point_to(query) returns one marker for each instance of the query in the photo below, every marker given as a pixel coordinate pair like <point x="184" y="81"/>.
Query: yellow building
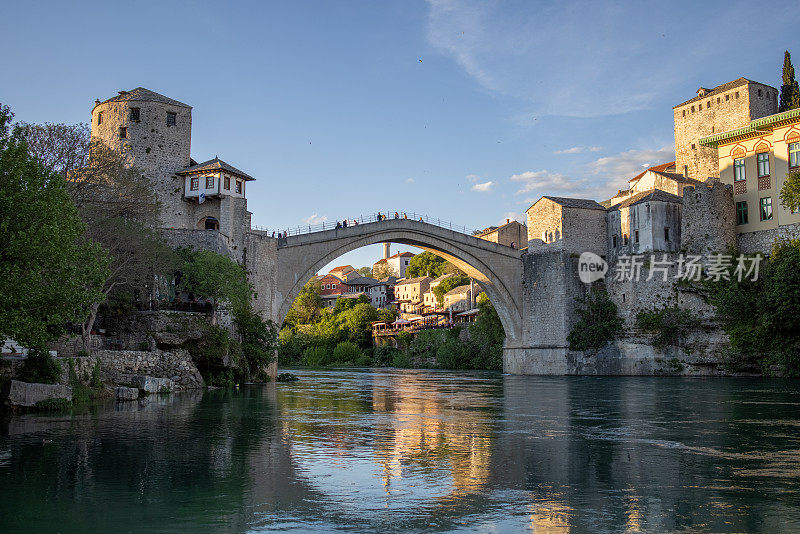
<point x="755" y="159"/>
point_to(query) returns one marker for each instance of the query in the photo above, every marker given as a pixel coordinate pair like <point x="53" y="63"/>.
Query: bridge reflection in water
<point x="409" y="450"/>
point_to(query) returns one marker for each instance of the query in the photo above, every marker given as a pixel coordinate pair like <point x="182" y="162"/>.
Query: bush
<point x="40" y="368"/>
<point x="286" y="377"/>
<point x="669" y="325"/>
<point x="364" y="361"/>
<point x="81" y="393"/>
<point x="384" y="355"/>
<point x="258" y="343"/>
<point x="346" y="351"/>
<point x="598" y="322"/>
<point x="52" y="405"/>
<point x="401" y="360"/>
<point x="316" y="356"/>
<point x="95" y="382"/>
<point x="450" y="355"/>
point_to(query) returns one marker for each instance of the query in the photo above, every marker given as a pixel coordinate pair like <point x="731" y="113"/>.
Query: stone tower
<point x="154" y="133"/>
<point x="726" y="107"/>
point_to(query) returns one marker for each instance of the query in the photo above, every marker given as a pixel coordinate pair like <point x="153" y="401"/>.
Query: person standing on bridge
<point x="405" y="215"/>
<point x="396" y="215"/>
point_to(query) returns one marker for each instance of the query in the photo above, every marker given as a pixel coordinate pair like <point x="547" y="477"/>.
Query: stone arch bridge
<point x="280" y="267"/>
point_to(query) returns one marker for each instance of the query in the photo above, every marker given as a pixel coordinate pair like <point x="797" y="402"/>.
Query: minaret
<point x="387" y="250"/>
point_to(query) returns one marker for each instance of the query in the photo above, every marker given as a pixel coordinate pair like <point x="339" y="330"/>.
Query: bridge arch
<point x="497" y="268"/>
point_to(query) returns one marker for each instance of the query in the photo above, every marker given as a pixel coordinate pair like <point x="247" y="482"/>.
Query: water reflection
<point x="408" y="450"/>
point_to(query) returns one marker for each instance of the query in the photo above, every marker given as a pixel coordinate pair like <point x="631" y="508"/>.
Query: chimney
<point x="508" y="221"/>
<point x="386" y="250"/>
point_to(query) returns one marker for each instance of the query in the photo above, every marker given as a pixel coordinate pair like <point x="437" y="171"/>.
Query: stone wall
<point x="118" y="367"/>
<point x="708" y="224"/>
<point x="197" y="240"/>
<point x="762" y="240"/>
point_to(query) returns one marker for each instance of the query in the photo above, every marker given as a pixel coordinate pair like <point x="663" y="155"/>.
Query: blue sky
<point x="467" y="111"/>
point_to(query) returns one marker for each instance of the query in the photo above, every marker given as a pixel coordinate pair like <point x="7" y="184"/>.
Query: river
<point x="406" y="450"/>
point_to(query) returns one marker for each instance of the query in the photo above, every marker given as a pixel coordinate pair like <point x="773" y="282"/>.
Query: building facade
<point x="511" y="234"/>
<point x="755" y="161"/>
<point x="725" y="107"/>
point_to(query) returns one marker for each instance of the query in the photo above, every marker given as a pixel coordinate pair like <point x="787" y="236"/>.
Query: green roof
<point x="756" y="125"/>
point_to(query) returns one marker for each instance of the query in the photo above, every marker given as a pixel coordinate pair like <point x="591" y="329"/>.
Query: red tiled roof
<point x="658" y="168"/>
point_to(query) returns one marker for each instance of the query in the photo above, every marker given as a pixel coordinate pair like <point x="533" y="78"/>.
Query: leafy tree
<point x="383" y="269"/>
<point x="50" y="274"/>
<point x="357" y="322"/>
<point x="598" y="322"/>
<point x="760" y="317"/>
<point x="347" y="352"/>
<point x="487" y="336"/>
<point x="366" y="272"/>
<point x="790" y="192"/>
<point x="259" y="341"/>
<point x="447" y="284"/>
<point x="425" y="264"/>
<point x="790" y="91"/>
<point x="218" y="278"/>
<point x="307" y="307"/>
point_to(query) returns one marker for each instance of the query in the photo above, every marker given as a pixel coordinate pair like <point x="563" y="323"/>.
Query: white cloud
<point x="546" y="182"/>
<point x="316" y="219"/>
<point x="484" y="187"/>
<point x="409" y="180"/>
<point x="579" y="149"/>
<point x="631" y="162"/>
<point x="473" y="177"/>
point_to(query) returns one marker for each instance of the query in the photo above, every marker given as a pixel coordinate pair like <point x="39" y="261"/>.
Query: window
<point x="227" y="183"/>
<point x="794" y="154"/>
<point x="171" y="118"/>
<point x="209" y="182"/>
<point x="766" y="209"/>
<point x="727" y="97"/>
<point x="693" y="146"/>
<point x="741" y="212"/>
<point x="738" y="170"/>
<point x="614" y="241"/>
<point x="328" y="286"/>
<point x="194" y="185"/>
<point x="239" y="186"/>
<point x="763" y="164"/>
<point x="759" y="92"/>
<point x="100" y="117"/>
<point x="692" y="109"/>
<point x="684" y="112"/>
<point x="708" y="104"/>
<point x="736" y="95"/>
<point x="624" y="239"/>
<point x="123" y="132"/>
<point x="686" y="170"/>
<point x="636" y="237"/>
<point x="333" y="286"/>
<point x="134" y="114"/>
<point x="718" y="100"/>
<point x="666" y="234"/>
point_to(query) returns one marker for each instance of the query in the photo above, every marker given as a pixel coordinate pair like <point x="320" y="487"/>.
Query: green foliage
<point x="448" y="284"/>
<point x="366" y="272"/>
<point x="95" y="381"/>
<point x="40" y="368"/>
<point x="790" y="91"/>
<point x="384" y="355"/>
<point x="347" y="352"/>
<point x="81" y="393"/>
<point x="790" y="192"/>
<point x="669" y="325"/>
<point x="307" y="307"/>
<point x="425" y="264"/>
<point x="213" y="353"/>
<point x="216" y="277"/>
<point x="401" y="360"/>
<point x="598" y="322"/>
<point x="50" y="275"/>
<point x="52" y="405"/>
<point x="258" y="342"/>
<point x="485" y="347"/>
<point x="760" y="317"/>
<point x="316" y="356"/>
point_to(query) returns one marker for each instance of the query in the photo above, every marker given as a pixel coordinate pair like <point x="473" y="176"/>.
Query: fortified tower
<point x="726" y="107"/>
<point x="154" y="133"/>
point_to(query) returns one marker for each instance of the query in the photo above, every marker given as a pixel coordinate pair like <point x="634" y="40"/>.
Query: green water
<point x="389" y="451"/>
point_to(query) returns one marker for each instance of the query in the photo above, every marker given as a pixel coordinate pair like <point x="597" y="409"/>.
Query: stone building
<point x="397" y="263"/>
<point x="459" y="298"/>
<point x="755" y="160"/>
<point x="662" y="177"/>
<point x="154" y="134"/>
<point x="725" y="107"/>
<point x="645" y="222"/>
<point x="578" y="225"/>
<point x="511" y="234"/>
<point x="409" y="293"/>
